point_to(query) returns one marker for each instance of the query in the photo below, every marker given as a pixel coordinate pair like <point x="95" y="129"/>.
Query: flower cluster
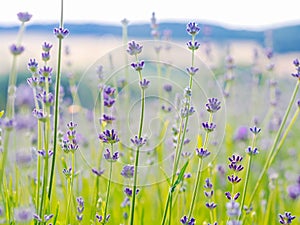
<point x="109" y="136"/>
<point x="297" y="65"/>
<point x="286" y="218"/>
<point x="69" y="142"/>
<point x="209" y="192"/>
<point x="80" y="208"/>
<point x="111" y="157"/>
<point x="108" y="96"/>
<point x="185" y="220"/>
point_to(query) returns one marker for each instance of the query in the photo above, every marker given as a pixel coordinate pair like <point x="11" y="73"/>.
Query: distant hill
<point x="285" y="39"/>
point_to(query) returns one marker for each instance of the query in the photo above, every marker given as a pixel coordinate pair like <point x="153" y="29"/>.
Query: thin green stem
<point x="56" y="107"/>
<point x="136" y="163"/>
<point x="70" y="188"/>
<point x="274" y="146"/>
<point x="108" y="187"/>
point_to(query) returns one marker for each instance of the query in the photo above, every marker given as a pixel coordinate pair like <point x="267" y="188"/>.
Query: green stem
<point x="56" y="107"/>
<point x="198" y="178"/>
<point x="70" y="188"/>
<point x="108" y="188"/>
<point x="179" y="147"/>
<point x="273" y="148"/>
<point x="137" y="153"/>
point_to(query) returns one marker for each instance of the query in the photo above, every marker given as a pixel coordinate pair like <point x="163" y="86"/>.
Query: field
<point x="116" y="131"/>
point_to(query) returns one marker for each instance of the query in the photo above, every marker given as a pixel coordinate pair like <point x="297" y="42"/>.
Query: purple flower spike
<point x="128" y="191"/>
<point x="138" y="142"/>
<point x="97" y="172"/>
<point x="202" y="153"/>
<point x="45" y="71"/>
<point x="235" y="158"/>
<point x="16" y="50"/>
<point x="107" y="118"/>
<point x="213" y="105"/>
<point x="61" y="33"/>
<point x="24" y="16"/>
<point x="255" y="130"/>
<point x="134" y="48"/>
<point x="192" y="28"/>
<point x="46" y="47"/>
<point x="111" y="157"/>
<point x="286" y="218"/>
<point x="234" y="179"/>
<point x="210" y="205"/>
<point x="235" y="167"/>
<point x="144" y="83"/>
<point x="185" y="220"/>
<point x="251" y="151"/>
<point x="109" y="136"/>
<point x="209" y="127"/>
<point x="138" y="66"/>
<point x="32" y="65"/>
<point x="192" y="70"/>
<point x="127" y="171"/>
<point x="193" y="45"/>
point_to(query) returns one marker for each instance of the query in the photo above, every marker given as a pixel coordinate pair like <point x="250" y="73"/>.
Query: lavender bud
<point x="134" y="48"/>
<point x="213" y="105"/>
<point x="127" y="171"/>
<point x="24" y="16"/>
<point x="192" y="28"/>
<point x="16" y="50"/>
<point x="61" y="33"/>
<point x="209" y="127"/>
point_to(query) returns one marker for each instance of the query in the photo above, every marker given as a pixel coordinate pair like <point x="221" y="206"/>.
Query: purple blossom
<point x="32" y="65"/>
<point x="134" y="48"/>
<point x="235" y="197"/>
<point x="60" y="32"/>
<point x="109" y="136"/>
<point x="192" y="70"/>
<point x="235" y="167"/>
<point x="24" y="16"/>
<point x="209" y="127"/>
<point x="234" y="179"/>
<point x="241" y="134"/>
<point x="255" y="130"/>
<point x="108" y="91"/>
<point x="213" y="105"/>
<point x="138" y="142"/>
<point x="192" y="28"/>
<point x="235" y="158"/>
<point x="208" y="184"/>
<point x="210" y="205"/>
<point x="297" y="65"/>
<point x="111" y="157"/>
<point x="193" y="45"/>
<point x="97" y="172"/>
<point x="127" y="171"/>
<point x="251" y="151"/>
<point x="46" y="47"/>
<point x="167" y="87"/>
<point x="108" y="101"/>
<point x="294" y="191"/>
<point x="107" y="118"/>
<point x="45" y="56"/>
<point x="144" y="83"/>
<point x="128" y="191"/>
<point x="138" y="66"/>
<point x="23" y="214"/>
<point x="185" y="220"/>
<point x="202" y="153"/>
<point x="16" y="50"/>
<point x="45" y="71"/>
<point x="233" y="208"/>
<point x="286" y="218"/>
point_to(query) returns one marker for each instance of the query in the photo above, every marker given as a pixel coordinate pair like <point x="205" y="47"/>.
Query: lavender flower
<point x="45" y="71"/>
<point x="235" y="197"/>
<point x="128" y="191"/>
<point x="167" y="87"/>
<point x="234" y="179"/>
<point x="32" y="65"/>
<point x="16" y="50"/>
<point x="210" y="205"/>
<point x="138" y="142"/>
<point x="24" y="16"/>
<point x="251" y="151"/>
<point x="45" y="56"/>
<point x="23" y="214"/>
<point x="109" y="136"/>
<point x="111" y="157"/>
<point x="97" y="172"/>
<point x="107" y="118"/>
<point x="286" y="218"/>
<point x="192" y="70"/>
<point x="108" y="91"/>
<point x="233" y="208"/>
<point x="255" y="130"/>
<point x="185" y="220"/>
<point x="202" y="153"/>
<point x="192" y="28"/>
<point x="138" y="66"/>
<point x="61" y="33"/>
<point x="134" y="48"/>
<point x="80" y="208"/>
<point x="127" y="171"/>
<point x="144" y="83"/>
<point x="213" y="105"/>
<point x="297" y="65"/>
<point x="46" y="47"/>
<point x="235" y="158"/>
<point x="193" y="45"/>
<point x="209" y="127"/>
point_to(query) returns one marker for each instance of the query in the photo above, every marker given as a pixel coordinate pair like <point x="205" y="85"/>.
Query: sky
<point x="240" y="14"/>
